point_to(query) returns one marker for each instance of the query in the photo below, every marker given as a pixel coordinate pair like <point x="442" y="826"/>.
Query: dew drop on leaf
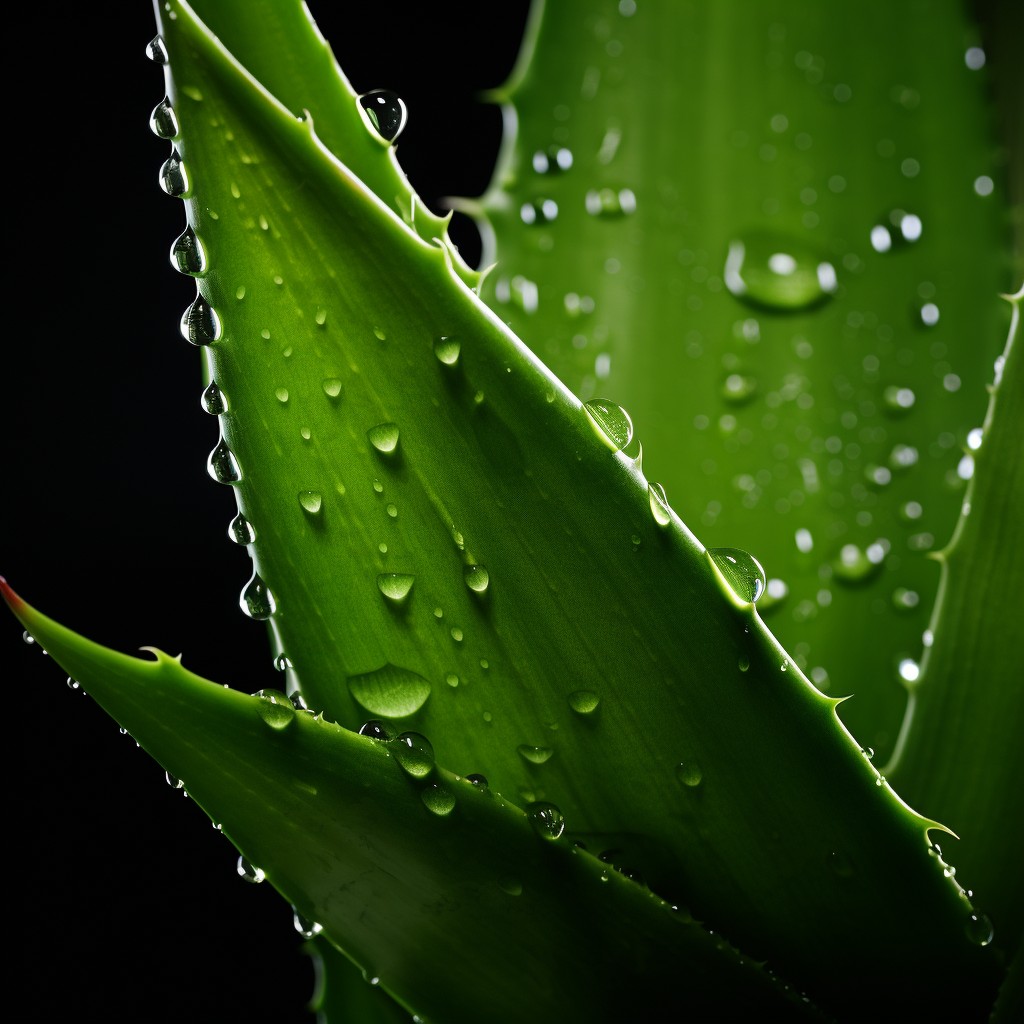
<point x="256" y="599"/>
<point x="386" y="112"/>
<point x="477" y="578"/>
<point x="774" y="272"/>
<point x="173" y="177"/>
<point x="535" y="755"/>
<point x="306" y="928"/>
<point x="390" y="691"/>
<point x="547" y="820"/>
<point x="187" y="253"/>
<point x="742" y="571"/>
<point x="241" y="531"/>
<point x="222" y="465"/>
<point x="163" y="122"/>
<point x="689" y="773"/>
<point x="384" y="437"/>
<point x="200" y="323"/>
<point x="438" y="799"/>
<point x="659" y="504"/>
<point x="156" y="51"/>
<point x="583" y="702"/>
<point x="395" y="586"/>
<point x="415" y="753"/>
<point x="611" y="422"/>
<point x="376" y="730"/>
<point x="213" y="400"/>
<point x="979" y="929"/>
<point x="275" y="708"/>
<point x="311" y="501"/>
<point x="250" y="872"/>
<point x="332" y="387"/>
<point x="447" y="350"/>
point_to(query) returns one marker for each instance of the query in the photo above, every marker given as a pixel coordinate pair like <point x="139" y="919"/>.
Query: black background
<point x="130" y="905"/>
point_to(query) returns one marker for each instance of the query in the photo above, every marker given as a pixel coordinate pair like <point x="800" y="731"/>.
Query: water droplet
<point x="241" y="531"/>
<point x="275" y="708"/>
<point x="659" y="504"/>
<point x="306" y="928"/>
<point x="156" y="51"/>
<point x="163" y="122"/>
<point x="73" y="684"/>
<point x="395" y="586"/>
<point x="311" y="501"/>
<point x="438" y="799"/>
<point x="390" y="691"/>
<point x="187" y="253"/>
<point x="477" y="578"/>
<point x="332" y="387"/>
<point x="222" y="465"/>
<point x="855" y="565"/>
<point x="256" y="599"/>
<point x="928" y="314"/>
<point x="376" y="730"/>
<point x="415" y="754"/>
<point x="173" y="782"/>
<point x="979" y="929"/>
<point x="200" y="323"/>
<point x="27" y="637"/>
<point x="447" y="350"/>
<point x="909" y="670"/>
<point x="610" y="202"/>
<point x="553" y="160"/>
<point x="384" y="437"/>
<point x="480" y="781"/>
<point x="547" y="820"/>
<point x="281" y="664"/>
<point x="386" y="112"/>
<point x="538" y="211"/>
<point x="896" y="229"/>
<point x="457" y="634"/>
<point x="779" y="273"/>
<point x="611" y="421"/>
<point x="173" y="177"/>
<point x="689" y="773"/>
<point x="535" y="755"/>
<point x="738" y="389"/>
<point x="898" y="399"/>
<point x="583" y="702"/>
<point x="213" y="400"/>
<point x="250" y="872"/>
<point x="904" y="599"/>
<point x="742" y="571"/>
<point x="281" y="394"/>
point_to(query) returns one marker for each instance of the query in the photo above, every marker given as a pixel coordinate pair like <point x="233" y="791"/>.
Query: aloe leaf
<point x="410" y="866"/>
<point x="660" y="157"/>
<point x="967" y="685"/>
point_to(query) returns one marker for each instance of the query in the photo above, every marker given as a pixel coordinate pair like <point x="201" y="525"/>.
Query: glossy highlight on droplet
<point x="213" y="400"/>
<point x="241" y="531"/>
<point x="222" y="465"/>
<point x="390" y="691"/>
<point x="386" y="112"/>
<point x="547" y="820"/>
<point x="275" y="708"/>
<point x="173" y="177"/>
<point x="741" y="571"/>
<point x="447" y="350"/>
<point x="311" y="502"/>
<point x="776" y="272"/>
<point x="660" y="508"/>
<point x="200" y="324"/>
<point x="187" y="254"/>
<point x="611" y="421"/>
<point x="415" y="753"/>
<point x="384" y="437"/>
<point x="477" y="578"/>
<point x="163" y="122"/>
<point x="395" y="586"/>
<point x="256" y="599"/>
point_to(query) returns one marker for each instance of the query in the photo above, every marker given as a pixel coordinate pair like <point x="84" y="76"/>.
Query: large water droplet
<point x="306" y="928"/>
<point x="173" y="177"/>
<point x="979" y="929"/>
<point x="689" y="773"/>
<point x="611" y="421"/>
<point x="275" y="708"/>
<point x="438" y="799"/>
<point x="250" y="872"/>
<point x="390" y="691"/>
<point x="163" y="122"/>
<point x="771" y="271"/>
<point x="384" y="437"/>
<point x="386" y="112"/>
<point x="415" y="754"/>
<point x="187" y="253"/>
<point x="447" y="350"/>
<point x="535" y="755"/>
<point x="395" y="586"/>
<point x="583" y="702"/>
<point x="256" y="599"/>
<point x="156" y="51"/>
<point x="241" y="531"/>
<point x="311" y="501"/>
<point x="213" y="400"/>
<point x="200" y="323"/>
<point x="222" y="465"/>
<point x="660" y="508"/>
<point x="547" y="820"/>
<point x="477" y="578"/>
<point x="332" y="387"/>
<point x="742" y="571"/>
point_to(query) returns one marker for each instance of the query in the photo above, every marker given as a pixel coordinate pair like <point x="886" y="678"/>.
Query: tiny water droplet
<point x="213" y="400"/>
<point x="241" y="531"/>
<point x="384" y="437"/>
<point x="27" y="637"/>
<point x="395" y="586"/>
<point x="222" y="465"/>
<point x="855" y="565"/>
<point x="477" y="578"/>
<point x="73" y="684"/>
<point x="311" y="501"/>
<point x="386" y="112"/>
<point x="457" y="634"/>
<point x="769" y="270"/>
<point x="535" y="755"/>
<point x="611" y="421"/>
<point x="610" y="202"/>
<point x="275" y="708"/>
<point x="438" y="799"/>
<point x="979" y="929"/>
<point x="390" y="691"/>
<point x="741" y="570"/>
<point x="584" y="702"/>
<point x="447" y="350"/>
<point x="173" y="177"/>
<point x="281" y="394"/>
<point x="415" y="754"/>
<point x="200" y="323"/>
<point x="689" y="773"/>
<point x="173" y="782"/>
<point x="256" y="599"/>
<point x="480" y="781"/>
<point x="376" y="730"/>
<point x="547" y="820"/>
<point x="660" y="508"/>
<point x="187" y="253"/>
<point x="332" y="387"/>
<point x="250" y="872"/>
<point x="281" y="664"/>
<point x="895" y="230"/>
<point x="738" y="389"/>
<point x="898" y="399"/>
<point x="156" y="51"/>
<point x="538" y="211"/>
<point x="163" y="122"/>
<point x="306" y="928"/>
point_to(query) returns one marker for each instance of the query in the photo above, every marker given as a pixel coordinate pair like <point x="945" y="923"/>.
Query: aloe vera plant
<point x="444" y="540"/>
